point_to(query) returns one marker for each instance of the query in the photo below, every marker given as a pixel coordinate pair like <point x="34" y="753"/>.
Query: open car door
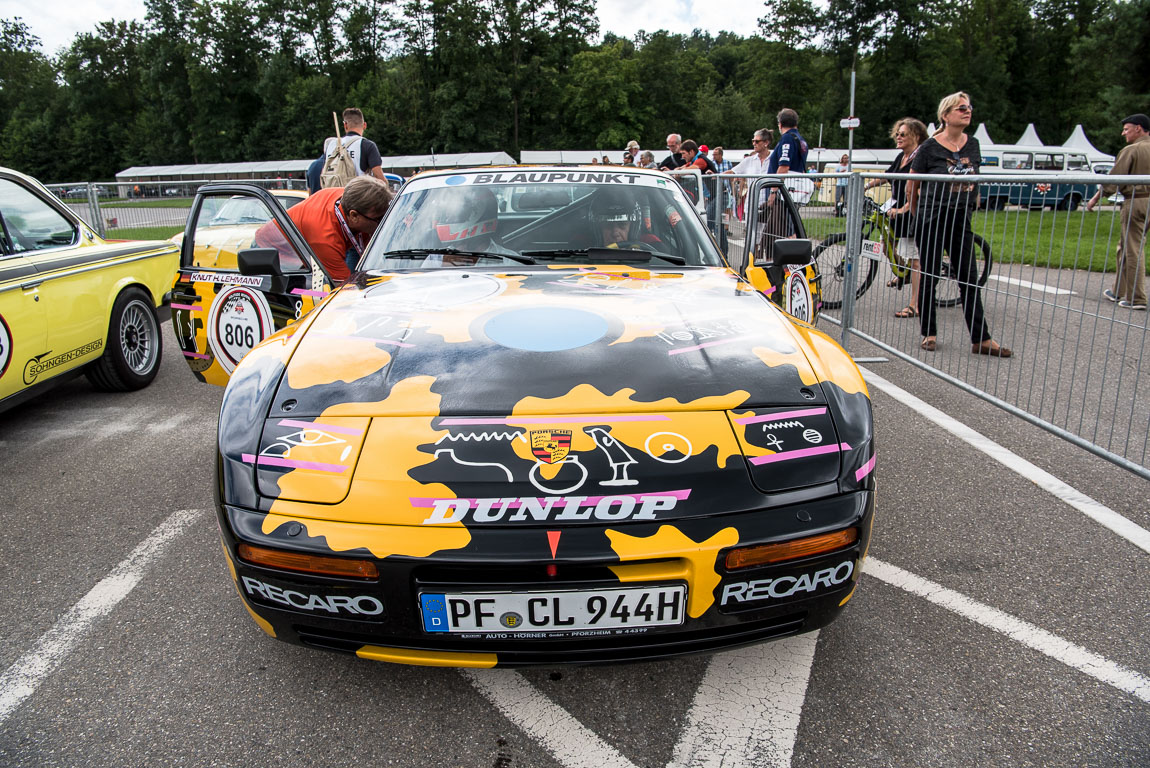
<point x="691" y="180"/>
<point x="245" y="273"/>
<point x="772" y="256"/>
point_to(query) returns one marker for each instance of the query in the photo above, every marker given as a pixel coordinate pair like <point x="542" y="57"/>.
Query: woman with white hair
<point x="942" y="211"/>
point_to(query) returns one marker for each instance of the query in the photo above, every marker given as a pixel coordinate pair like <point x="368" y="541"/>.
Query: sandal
<point x="907" y="311"/>
<point x="994" y="351"/>
<point x="929" y="344"/>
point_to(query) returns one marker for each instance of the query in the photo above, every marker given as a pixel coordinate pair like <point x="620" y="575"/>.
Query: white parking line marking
<point x="23" y="678"/>
<point x="1033" y="286"/>
<point x="1100" y="513"/>
<point x="747" y="709"/>
<point x="562" y="735"/>
<point x="1016" y="629"/>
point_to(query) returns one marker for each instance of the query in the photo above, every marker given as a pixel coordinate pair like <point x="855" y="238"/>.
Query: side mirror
<point x="794" y="252"/>
<point x="259" y="261"/>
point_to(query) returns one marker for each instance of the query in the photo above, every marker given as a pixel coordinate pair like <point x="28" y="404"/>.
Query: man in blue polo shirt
<point x="790" y="153"/>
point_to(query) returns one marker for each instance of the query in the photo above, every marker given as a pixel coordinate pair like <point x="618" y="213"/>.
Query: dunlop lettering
<point x="516" y="509"/>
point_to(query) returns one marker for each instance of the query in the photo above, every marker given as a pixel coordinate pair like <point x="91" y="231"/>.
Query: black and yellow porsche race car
<point x="544" y="422"/>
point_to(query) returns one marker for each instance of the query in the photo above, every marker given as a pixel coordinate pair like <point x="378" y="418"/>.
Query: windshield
<point x="540" y="217"/>
<point x="218" y="212"/>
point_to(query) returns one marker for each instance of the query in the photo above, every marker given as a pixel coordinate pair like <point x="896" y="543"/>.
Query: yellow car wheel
<point x="132" y="355"/>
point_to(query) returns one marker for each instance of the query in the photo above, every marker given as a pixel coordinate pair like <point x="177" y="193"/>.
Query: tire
<point x="132" y="354"/>
<point x="1068" y="203"/>
<point x="946" y="293"/>
<point x="831" y="259"/>
<point x="996" y="203"/>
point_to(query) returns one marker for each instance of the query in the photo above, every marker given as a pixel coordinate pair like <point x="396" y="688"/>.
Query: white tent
<point x="462" y="160"/>
<point x="1079" y="142"/>
<point x="297" y="168"/>
<point x="826" y="160"/>
<point x="983" y="135"/>
<point x="1030" y="136"/>
<point x="930" y="129"/>
<point x="574" y="156"/>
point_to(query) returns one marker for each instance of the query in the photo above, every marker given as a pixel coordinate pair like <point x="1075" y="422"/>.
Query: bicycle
<point x="831" y="257"/>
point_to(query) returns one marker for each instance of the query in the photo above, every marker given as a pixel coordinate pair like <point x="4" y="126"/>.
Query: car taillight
<point x="305" y="563"/>
<point x="766" y="554"/>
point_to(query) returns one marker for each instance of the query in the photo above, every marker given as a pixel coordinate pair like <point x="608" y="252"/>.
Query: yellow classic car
<point x="71" y="302"/>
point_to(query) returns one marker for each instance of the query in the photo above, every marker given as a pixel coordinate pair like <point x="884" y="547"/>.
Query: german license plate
<point x="551" y="612"/>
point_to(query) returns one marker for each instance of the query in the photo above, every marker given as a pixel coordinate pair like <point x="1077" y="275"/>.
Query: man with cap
<point x="1134" y="160"/>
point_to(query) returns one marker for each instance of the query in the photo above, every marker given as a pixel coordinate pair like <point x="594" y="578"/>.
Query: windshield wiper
<point x="611" y="254"/>
<point x="524" y="259"/>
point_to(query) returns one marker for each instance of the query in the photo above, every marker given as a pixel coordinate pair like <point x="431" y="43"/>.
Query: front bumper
<point x="380" y="618"/>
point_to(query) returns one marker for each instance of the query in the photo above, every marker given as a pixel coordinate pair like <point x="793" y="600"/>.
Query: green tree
<point x="603" y="99"/>
<point x="28" y="102"/>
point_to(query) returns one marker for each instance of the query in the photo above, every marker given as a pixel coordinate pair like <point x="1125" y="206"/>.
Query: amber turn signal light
<point x="765" y="554"/>
<point x="305" y="563"/>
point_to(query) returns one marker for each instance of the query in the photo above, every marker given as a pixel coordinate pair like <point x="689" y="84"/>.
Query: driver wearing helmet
<point x="467" y="219"/>
<point x="615" y="217"/>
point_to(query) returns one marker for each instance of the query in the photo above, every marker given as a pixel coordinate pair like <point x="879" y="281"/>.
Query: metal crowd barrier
<point x="144" y="210"/>
<point x="1076" y="368"/>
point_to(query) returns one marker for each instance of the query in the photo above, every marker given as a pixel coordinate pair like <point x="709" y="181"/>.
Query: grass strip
<point x="1054" y="239"/>
<point x="142" y="233"/>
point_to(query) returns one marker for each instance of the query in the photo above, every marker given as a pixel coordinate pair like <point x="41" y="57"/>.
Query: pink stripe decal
<point x="681" y="495"/>
<point x="273" y="461"/>
<point x="709" y="344"/>
<point x="308" y="292"/>
<point x="865" y="469"/>
<point x="192" y="307"/>
<point x="782" y="416"/>
<point x="788" y="455"/>
<point x="627" y="275"/>
<point x="613" y="418"/>
<point x="769" y="291"/>
<point x="317" y="425"/>
<point x="392" y="342"/>
<point x="197" y="356"/>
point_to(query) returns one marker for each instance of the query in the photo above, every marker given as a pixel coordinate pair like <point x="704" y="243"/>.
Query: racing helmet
<point x="465" y="217"/>
<point x="613" y="206"/>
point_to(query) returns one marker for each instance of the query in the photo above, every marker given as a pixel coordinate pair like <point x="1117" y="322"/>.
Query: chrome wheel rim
<point x="138" y="336"/>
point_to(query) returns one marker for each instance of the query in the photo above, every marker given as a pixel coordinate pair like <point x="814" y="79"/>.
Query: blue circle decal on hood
<point x="551" y="329"/>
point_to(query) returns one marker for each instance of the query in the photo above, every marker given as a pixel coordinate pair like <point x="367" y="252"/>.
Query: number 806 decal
<point x="239" y="319"/>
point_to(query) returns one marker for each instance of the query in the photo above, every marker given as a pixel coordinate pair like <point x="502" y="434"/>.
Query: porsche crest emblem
<point x="551" y="445"/>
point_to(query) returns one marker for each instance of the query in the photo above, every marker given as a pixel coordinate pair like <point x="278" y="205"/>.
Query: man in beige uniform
<point x="1134" y="160"/>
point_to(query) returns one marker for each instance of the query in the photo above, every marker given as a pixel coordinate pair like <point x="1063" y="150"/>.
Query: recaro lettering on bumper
<point x="358" y="605"/>
<point x="787" y="586"/>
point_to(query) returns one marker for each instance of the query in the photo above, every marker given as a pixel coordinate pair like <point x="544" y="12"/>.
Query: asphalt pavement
<point x="998" y="621"/>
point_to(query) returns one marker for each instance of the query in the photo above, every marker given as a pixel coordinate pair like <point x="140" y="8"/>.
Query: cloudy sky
<point x="56" y="23"/>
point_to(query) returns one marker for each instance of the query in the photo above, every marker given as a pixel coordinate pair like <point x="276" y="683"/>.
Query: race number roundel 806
<point x="239" y="319"/>
<point x="5" y="346"/>
<point x="799" y="302"/>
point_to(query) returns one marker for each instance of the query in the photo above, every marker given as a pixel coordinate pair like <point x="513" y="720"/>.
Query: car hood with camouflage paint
<point x="460" y="399"/>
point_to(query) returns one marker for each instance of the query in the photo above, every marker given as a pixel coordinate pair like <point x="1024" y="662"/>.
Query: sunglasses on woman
<point x="964" y="108"/>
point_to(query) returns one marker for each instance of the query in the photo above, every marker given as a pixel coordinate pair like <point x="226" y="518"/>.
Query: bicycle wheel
<point x="946" y="292"/>
<point x="831" y="257"/>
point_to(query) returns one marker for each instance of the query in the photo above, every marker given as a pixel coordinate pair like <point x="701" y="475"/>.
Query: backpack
<point x="339" y="167"/>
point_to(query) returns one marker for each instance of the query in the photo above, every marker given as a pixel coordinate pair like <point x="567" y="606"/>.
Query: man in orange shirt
<point x="337" y="222"/>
